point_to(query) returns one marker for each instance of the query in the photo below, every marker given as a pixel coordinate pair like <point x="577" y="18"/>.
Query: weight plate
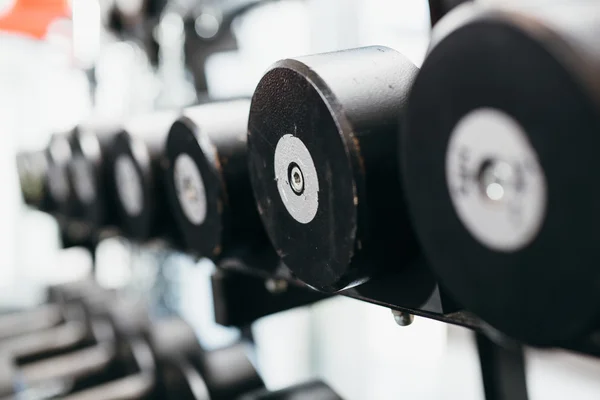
<point x="500" y="144"/>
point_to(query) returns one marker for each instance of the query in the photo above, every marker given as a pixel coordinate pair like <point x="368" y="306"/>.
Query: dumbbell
<point x="500" y="142"/>
<point x="314" y="390"/>
<point x="79" y="367"/>
<point x="134" y="376"/>
<point x="91" y="175"/>
<point x="69" y="360"/>
<point x="139" y="384"/>
<point x="181" y="369"/>
<point x="123" y="367"/>
<point x="64" y="323"/>
<point x="138" y="167"/>
<point x="126" y="355"/>
<point x="57" y="310"/>
<point x="187" y="369"/>
<point x="67" y="355"/>
<point x="208" y="183"/>
<point x="47" y="184"/>
<point x="184" y="370"/>
<point x="322" y="140"/>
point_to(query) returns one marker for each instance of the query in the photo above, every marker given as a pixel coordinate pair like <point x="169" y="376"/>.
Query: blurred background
<point x="64" y="63"/>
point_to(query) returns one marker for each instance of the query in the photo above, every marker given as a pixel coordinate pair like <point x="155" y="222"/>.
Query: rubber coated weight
<point x="138" y="175"/>
<point x="225" y="373"/>
<point x="208" y="182"/>
<point x="90" y="172"/>
<point x="321" y="140"/>
<point x="499" y="158"/>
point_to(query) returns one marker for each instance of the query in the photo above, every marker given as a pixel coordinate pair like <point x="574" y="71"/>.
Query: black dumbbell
<point x="46" y="183"/>
<point x="69" y="360"/>
<point x="59" y="324"/>
<point x="208" y="182"/>
<point x="176" y="367"/>
<point x="502" y="131"/>
<point x="322" y="135"/>
<point x="184" y="370"/>
<point x="138" y="166"/>
<point x="222" y="374"/>
<point x="68" y="354"/>
<point x="134" y="370"/>
<point x="140" y="383"/>
<point x="86" y="364"/>
<point x="91" y="176"/>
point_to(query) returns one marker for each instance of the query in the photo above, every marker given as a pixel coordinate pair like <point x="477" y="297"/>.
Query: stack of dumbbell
<point x="458" y="191"/>
<point x="89" y="343"/>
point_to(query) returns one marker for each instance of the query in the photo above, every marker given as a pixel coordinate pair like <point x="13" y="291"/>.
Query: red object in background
<point x="33" y="17"/>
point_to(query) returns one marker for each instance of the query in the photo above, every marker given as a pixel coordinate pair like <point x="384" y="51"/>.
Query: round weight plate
<point x="195" y="186"/>
<point x="499" y="171"/>
<point x="302" y="174"/>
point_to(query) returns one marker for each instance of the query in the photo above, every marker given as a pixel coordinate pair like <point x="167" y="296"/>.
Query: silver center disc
<point x="129" y="185"/>
<point x="190" y="189"/>
<point x="497" y="186"/>
<point x="300" y="196"/>
<point x="83" y="180"/>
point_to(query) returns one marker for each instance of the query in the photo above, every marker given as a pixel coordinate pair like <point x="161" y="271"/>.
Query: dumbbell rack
<point x="339" y="126"/>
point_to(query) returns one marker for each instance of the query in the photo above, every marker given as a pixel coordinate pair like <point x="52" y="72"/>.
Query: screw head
<point x="403" y="318"/>
<point x="276" y="286"/>
<point x="296" y="178"/>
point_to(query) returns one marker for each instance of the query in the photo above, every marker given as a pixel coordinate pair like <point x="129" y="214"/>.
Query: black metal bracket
<point x="240" y="299"/>
<point x="502" y="370"/>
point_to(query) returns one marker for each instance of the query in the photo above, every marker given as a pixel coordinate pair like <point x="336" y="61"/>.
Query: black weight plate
<point x="322" y="151"/>
<point x="136" y="224"/>
<point x="288" y="101"/>
<point x="546" y="291"/>
<point x="204" y="237"/>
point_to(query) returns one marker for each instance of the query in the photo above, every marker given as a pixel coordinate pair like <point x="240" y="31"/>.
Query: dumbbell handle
<point x="140" y="385"/>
